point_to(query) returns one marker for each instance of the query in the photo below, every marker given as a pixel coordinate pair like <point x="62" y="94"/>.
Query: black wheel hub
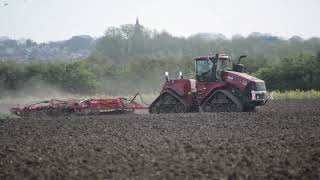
<point x="180" y="108"/>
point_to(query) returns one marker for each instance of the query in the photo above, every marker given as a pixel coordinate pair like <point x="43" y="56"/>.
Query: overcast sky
<point x="50" y="20"/>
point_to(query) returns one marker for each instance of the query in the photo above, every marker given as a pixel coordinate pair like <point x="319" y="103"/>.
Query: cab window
<point x="205" y="70"/>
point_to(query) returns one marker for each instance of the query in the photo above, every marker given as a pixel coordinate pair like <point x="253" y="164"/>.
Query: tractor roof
<point x="211" y="57"/>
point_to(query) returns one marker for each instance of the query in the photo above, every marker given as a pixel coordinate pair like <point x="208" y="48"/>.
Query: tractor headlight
<point x="258" y="95"/>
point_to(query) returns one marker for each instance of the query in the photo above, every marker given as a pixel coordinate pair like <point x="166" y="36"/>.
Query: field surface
<point x="279" y="141"/>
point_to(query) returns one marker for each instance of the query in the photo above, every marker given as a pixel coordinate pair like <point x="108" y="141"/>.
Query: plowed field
<point x="281" y="140"/>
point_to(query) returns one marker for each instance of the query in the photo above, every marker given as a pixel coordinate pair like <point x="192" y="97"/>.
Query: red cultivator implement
<point x="56" y="107"/>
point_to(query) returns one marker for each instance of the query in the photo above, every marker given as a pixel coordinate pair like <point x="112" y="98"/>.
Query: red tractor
<point x="216" y="88"/>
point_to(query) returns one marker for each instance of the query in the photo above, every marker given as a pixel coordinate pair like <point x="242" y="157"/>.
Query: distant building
<point x="137" y="39"/>
<point x="137" y="28"/>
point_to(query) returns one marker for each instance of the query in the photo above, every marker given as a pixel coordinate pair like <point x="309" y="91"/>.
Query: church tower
<point x="137" y="27"/>
<point x="137" y="47"/>
<point x="137" y="22"/>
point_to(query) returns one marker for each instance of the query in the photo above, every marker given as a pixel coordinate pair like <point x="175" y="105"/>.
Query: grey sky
<point x="48" y="20"/>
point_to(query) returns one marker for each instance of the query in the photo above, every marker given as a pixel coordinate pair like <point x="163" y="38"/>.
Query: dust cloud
<point x="31" y="91"/>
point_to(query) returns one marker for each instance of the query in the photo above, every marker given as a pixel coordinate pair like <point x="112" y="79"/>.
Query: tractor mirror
<point x="167" y="75"/>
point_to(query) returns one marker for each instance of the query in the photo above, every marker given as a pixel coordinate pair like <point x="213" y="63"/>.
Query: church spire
<point x="137" y="27"/>
<point x="137" y="22"/>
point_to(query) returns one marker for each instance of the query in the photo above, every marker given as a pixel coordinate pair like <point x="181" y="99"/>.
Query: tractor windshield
<point x="210" y="69"/>
<point x="205" y="70"/>
<point x="203" y="66"/>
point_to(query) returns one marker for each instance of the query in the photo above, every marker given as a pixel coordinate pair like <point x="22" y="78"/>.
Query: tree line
<point x="294" y="72"/>
<point x="132" y="58"/>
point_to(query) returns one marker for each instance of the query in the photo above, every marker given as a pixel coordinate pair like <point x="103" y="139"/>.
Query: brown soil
<point x="281" y="140"/>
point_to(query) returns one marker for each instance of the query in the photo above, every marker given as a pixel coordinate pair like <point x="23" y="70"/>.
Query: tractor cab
<point x="210" y="68"/>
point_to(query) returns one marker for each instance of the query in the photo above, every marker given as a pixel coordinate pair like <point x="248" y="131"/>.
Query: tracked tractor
<point x="216" y="87"/>
<point x="220" y="85"/>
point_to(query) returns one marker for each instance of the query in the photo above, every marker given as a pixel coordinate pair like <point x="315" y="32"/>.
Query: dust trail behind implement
<point x="4" y="108"/>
